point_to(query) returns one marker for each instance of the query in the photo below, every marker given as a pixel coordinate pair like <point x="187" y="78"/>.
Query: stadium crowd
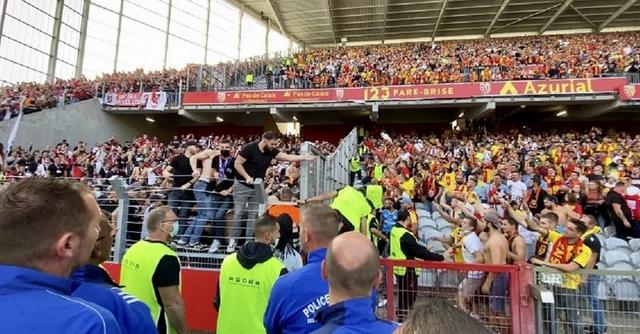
<point x="533" y="57"/>
<point x="499" y="59"/>
<point x="509" y="198"/>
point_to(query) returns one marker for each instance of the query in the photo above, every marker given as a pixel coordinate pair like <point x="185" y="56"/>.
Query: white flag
<point x="14" y="132"/>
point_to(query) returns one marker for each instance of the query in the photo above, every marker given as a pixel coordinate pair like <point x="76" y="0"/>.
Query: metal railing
<point x="203" y="216"/>
<point x="329" y="172"/>
<point x="595" y="301"/>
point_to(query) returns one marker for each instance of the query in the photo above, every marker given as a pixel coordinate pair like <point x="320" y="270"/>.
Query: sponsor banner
<point x="415" y="92"/>
<point x="150" y="100"/>
<point x="123" y="99"/>
<point x="630" y="92"/>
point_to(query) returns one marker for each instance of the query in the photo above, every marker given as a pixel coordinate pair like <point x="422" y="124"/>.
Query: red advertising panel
<point x="416" y="92"/>
<point x="630" y="92"/>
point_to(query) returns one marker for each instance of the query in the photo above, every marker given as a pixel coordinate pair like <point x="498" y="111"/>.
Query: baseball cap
<point x="492" y="218"/>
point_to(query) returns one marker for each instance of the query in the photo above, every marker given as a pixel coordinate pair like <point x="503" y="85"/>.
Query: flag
<point x="14" y="132"/>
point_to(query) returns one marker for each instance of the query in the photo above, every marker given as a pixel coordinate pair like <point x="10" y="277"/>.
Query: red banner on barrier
<point x="416" y="92"/>
<point x="630" y="92"/>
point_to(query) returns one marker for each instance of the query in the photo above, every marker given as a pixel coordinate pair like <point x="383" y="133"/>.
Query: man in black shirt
<point x="619" y="212"/>
<point x="183" y="179"/>
<point x="252" y="163"/>
<point x="57" y="169"/>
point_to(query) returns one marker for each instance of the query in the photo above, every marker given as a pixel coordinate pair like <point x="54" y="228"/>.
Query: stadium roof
<point x="322" y="22"/>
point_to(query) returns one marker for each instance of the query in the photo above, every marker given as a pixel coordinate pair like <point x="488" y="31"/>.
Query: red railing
<point x="521" y="308"/>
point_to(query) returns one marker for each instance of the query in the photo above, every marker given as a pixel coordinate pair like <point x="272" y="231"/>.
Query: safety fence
<point x="587" y="301"/>
<point x="327" y="173"/>
<point x="211" y="223"/>
<point x="502" y="310"/>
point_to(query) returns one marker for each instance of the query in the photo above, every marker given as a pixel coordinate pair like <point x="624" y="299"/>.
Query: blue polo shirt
<point x="96" y="286"/>
<point x="35" y="302"/>
<point x="353" y="316"/>
<point x="296" y="298"/>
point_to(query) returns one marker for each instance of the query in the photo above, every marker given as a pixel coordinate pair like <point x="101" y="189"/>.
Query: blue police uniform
<point x="353" y="316"/>
<point x="96" y="286"/>
<point x="296" y="297"/>
<point x="35" y="302"/>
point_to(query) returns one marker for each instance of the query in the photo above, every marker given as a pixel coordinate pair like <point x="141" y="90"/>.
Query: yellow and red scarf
<point x="560" y="253"/>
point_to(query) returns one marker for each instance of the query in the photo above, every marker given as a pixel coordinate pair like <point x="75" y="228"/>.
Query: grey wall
<point x="87" y="122"/>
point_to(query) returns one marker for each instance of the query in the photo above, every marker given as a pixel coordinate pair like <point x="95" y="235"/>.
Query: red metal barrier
<point x="520" y="312"/>
<point x="198" y="291"/>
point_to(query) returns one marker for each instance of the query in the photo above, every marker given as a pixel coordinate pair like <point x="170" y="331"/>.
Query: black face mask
<point x="225" y="153"/>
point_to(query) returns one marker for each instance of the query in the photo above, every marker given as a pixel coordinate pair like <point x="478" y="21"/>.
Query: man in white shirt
<point x="472" y="253"/>
<point x="517" y="188"/>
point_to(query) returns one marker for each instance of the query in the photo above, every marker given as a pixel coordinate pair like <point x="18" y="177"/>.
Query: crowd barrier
<point x="327" y="173"/>
<point x="596" y="301"/>
<point x="507" y="310"/>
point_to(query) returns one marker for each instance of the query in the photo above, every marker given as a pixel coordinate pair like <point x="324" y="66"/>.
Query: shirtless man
<point x="546" y="227"/>
<point x="517" y="246"/>
<point x="495" y="252"/>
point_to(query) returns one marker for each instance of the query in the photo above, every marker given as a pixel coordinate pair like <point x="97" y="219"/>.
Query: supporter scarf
<point x="533" y="201"/>
<point x="559" y="251"/>
<point x="590" y="232"/>
<point x="541" y="247"/>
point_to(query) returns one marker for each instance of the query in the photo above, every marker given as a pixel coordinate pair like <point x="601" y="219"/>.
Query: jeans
<point x="203" y="207"/>
<point x="219" y="207"/>
<point x="179" y="203"/>
<point x="599" y="326"/>
<point x="244" y="201"/>
<point x="565" y="300"/>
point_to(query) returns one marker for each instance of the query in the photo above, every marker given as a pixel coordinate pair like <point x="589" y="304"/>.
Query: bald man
<point x="352" y="269"/>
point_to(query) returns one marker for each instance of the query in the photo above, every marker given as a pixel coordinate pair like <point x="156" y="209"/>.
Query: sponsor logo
<point x="547" y="87"/>
<point x="340" y="94"/>
<point x="630" y="91"/>
<point x="485" y="88"/>
<point x="222" y="96"/>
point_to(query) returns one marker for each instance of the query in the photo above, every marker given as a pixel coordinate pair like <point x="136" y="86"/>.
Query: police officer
<point x="48" y="228"/>
<point x="151" y="272"/>
<point x="246" y="279"/>
<point x="404" y="246"/>
<point x="351" y="206"/>
<point x="132" y="315"/>
<point x="352" y="269"/>
<point x="297" y="297"/>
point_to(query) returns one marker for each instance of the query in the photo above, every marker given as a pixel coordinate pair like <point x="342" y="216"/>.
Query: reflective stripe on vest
<point x="395" y="251"/>
<point x="138" y="266"/>
<point x="244" y="295"/>
<point x="374" y="194"/>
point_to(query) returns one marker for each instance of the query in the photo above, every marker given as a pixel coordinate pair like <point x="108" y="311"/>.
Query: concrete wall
<point x="87" y="122"/>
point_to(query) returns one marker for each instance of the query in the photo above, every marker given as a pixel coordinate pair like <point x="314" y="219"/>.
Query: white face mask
<point x="274" y="243"/>
<point x="174" y="230"/>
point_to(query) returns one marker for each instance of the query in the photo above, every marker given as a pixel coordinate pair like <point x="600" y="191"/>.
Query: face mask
<point x="174" y="231"/>
<point x="274" y="243"/>
<point x="225" y="153"/>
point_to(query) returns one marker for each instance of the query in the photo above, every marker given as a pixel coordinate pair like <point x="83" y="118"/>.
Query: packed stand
<point x="43" y="96"/>
<point x="565" y="201"/>
<point x="499" y="59"/>
<point x="149" y="170"/>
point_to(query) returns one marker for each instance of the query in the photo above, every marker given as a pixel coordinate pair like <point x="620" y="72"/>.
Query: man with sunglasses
<point x="96" y="286"/>
<point x="151" y="272"/>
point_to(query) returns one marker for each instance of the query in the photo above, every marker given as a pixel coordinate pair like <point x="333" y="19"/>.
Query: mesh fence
<point x="593" y="301"/>
<point x="409" y="281"/>
<point x="211" y="224"/>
